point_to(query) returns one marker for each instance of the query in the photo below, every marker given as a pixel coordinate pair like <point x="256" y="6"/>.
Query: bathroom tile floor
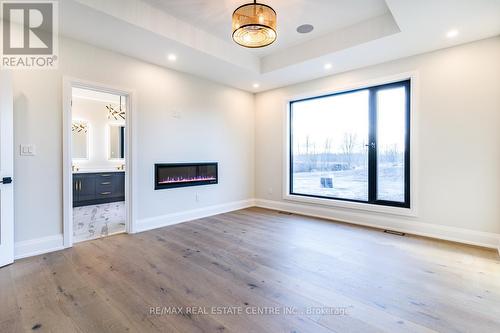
<point x="91" y="222"/>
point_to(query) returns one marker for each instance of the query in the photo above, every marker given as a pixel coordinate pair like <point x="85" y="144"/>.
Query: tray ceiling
<point x="348" y="34"/>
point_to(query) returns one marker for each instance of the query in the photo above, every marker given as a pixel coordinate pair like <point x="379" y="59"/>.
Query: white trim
<point x="7" y="218"/>
<point x="44" y="245"/>
<point x="67" y="164"/>
<point x="34" y="247"/>
<point x="351" y="205"/>
<point x="130" y="160"/>
<point x="465" y="236"/>
<point x="180" y="217"/>
<point x="414" y="99"/>
<point x="413" y="74"/>
<point x="97" y="98"/>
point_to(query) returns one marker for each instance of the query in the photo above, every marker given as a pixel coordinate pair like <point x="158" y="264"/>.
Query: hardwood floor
<point x="249" y="260"/>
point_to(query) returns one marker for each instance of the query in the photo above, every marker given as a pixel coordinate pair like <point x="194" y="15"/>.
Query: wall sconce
<point x="79" y="126"/>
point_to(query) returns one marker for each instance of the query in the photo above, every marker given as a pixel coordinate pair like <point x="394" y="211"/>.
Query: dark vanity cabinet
<point x="85" y="188"/>
<point x="98" y="188"/>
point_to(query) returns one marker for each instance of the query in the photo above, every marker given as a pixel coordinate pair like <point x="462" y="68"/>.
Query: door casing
<point x="6" y="168"/>
<point x="130" y="161"/>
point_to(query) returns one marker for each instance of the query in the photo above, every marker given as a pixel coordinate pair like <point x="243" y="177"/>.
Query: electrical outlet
<point x="270" y="191"/>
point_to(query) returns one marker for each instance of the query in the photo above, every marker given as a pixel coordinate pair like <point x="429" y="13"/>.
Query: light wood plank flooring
<point x="255" y="260"/>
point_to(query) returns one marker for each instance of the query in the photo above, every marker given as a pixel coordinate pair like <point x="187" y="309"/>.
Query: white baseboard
<point x="44" y="245"/>
<point x="34" y="247"/>
<point x="466" y="236"/>
<point x="176" y="218"/>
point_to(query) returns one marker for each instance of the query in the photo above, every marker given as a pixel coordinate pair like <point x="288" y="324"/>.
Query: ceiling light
<point x="305" y="28"/>
<point x="256" y="85"/>
<point x="452" y="33"/>
<point x="172" y="57"/>
<point x="254" y="25"/>
<point x="328" y="66"/>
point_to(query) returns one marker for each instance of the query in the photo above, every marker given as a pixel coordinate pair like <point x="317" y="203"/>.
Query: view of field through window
<point x="391" y="119"/>
<point x="330" y="145"/>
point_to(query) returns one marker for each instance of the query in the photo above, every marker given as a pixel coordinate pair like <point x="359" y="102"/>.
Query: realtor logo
<point x="29" y="34"/>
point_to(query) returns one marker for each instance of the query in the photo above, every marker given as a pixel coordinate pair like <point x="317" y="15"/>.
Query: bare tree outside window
<point x="348" y="147"/>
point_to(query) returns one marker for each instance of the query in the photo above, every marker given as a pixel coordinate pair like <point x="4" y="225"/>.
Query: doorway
<point x="6" y="169"/>
<point x="97" y="162"/>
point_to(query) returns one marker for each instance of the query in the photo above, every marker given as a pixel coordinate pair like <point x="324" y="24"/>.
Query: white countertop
<point x="97" y="170"/>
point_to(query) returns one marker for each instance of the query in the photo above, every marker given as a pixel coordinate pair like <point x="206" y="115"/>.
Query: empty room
<point x="250" y="166"/>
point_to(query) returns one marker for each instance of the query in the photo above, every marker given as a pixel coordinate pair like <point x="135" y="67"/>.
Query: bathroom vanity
<point x="93" y="188"/>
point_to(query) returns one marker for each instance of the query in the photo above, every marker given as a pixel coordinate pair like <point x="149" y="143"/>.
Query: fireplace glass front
<point x="185" y="174"/>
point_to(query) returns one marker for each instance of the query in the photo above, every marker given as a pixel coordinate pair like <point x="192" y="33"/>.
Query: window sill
<point x="411" y="212"/>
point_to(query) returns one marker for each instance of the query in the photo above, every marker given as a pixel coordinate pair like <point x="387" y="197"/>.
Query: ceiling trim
<point x="147" y="17"/>
<point x="363" y="32"/>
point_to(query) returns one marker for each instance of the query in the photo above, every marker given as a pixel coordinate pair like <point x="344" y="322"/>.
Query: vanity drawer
<point x="104" y="194"/>
<point x="109" y="185"/>
<point x="105" y="176"/>
<point x="104" y="187"/>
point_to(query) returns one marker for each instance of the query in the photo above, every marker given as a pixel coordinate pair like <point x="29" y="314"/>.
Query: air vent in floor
<point x="392" y="232"/>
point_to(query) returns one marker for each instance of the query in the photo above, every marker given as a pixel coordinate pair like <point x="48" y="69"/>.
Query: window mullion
<point x="407" y="143"/>
<point x="372" y="147"/>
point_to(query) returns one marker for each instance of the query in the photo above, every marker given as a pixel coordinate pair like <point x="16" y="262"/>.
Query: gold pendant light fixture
<point x="114" y="112"/>
<point x="254" y="25"/>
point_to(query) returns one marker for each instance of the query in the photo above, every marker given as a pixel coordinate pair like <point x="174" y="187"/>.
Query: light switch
<point x="177" y="114"/>
<point x="27" y="150"/>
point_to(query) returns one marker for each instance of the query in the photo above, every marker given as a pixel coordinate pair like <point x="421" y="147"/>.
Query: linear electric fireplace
<point x="185" y="174"/>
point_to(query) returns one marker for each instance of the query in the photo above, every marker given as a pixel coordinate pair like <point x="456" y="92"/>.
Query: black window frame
<point x="372" y="145"/>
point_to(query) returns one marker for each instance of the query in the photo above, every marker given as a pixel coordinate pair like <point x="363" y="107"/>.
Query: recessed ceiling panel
<point x="326" y="16"/>
<point x="348" y="34"/>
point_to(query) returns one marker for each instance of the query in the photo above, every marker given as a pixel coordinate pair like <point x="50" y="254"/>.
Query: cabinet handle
<point x="105" y="175"/>
<point x="106" y="183"/>
<point x="79" y="185"/>
<point x="105" y="193"/>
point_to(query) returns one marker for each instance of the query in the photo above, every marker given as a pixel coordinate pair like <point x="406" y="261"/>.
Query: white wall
<point x="458" y="136"/>
<point x="184" y="118"/>
<point x="94" y="112"/>
<point x="216" y="123"/>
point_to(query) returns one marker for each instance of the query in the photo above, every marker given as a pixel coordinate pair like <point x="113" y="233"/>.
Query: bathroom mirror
<point x="80" y="139"/>
<point x="116" y="142"/>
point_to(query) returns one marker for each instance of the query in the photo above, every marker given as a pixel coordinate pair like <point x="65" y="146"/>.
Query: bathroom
<point x="98" y="135"/>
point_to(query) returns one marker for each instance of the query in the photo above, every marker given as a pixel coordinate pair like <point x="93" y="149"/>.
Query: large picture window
<point x="353" y="146"/>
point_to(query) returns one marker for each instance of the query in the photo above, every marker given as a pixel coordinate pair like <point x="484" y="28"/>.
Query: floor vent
<point x="285" y="213"/>
<point x="392" y="232"/>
